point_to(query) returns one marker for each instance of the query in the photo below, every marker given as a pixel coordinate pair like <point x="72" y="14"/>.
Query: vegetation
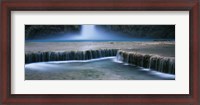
<point x="143" y="31"/>
<point x="39" y="31"/>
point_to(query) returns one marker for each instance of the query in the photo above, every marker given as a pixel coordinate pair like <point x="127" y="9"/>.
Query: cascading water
<point x="93" y="33"/>
<point x="88" y="32"/>
<point x="155" y="62"/>
<point x="69" y="55"/>
<point x="158" y="63"/>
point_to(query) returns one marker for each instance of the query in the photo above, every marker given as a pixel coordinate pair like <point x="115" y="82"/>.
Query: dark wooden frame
<point x="193" y="98"/>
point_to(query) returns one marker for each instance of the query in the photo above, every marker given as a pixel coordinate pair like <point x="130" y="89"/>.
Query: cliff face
<point x="40" y="31"/>
<point x="142" y="31"/>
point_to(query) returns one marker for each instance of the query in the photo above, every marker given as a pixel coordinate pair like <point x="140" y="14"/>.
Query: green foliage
<point x="35" y="31"/>
<point x="143" y="31"/>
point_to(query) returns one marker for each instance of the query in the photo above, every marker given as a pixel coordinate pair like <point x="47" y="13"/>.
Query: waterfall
<point x="155" y="62"/>
<point x="68" y="55"/>
<point x="88" y="32"/>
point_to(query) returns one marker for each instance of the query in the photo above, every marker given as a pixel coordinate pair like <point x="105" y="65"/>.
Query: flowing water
<point x="107" y="68"/>
<point x="94" y="64"/>
<point x="91" y="33"/>
<point x="156" y="62"/>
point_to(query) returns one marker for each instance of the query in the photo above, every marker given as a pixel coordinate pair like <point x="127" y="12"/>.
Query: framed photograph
<point x="141" y="52"/>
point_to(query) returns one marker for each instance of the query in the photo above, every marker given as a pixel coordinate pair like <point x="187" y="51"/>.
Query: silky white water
<point x="96" y="69"/>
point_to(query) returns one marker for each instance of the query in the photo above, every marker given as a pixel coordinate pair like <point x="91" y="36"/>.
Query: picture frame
<point x="193" y="98"/>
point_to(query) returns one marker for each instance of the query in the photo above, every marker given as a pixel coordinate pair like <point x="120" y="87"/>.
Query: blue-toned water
<point x="131" y="40"/>
<point x="89" y="33"/>
<point x="107" y="68"/>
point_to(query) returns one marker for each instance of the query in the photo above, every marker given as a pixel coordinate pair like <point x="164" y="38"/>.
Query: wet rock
<point x="71" y="55"/>
<point x="155" y="62"/>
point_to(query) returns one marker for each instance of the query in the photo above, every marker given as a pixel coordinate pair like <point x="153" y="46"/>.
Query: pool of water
<point x="107" y="68"/>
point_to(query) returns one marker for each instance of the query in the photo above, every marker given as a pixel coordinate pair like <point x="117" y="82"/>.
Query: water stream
<point x="95" y="69"/>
